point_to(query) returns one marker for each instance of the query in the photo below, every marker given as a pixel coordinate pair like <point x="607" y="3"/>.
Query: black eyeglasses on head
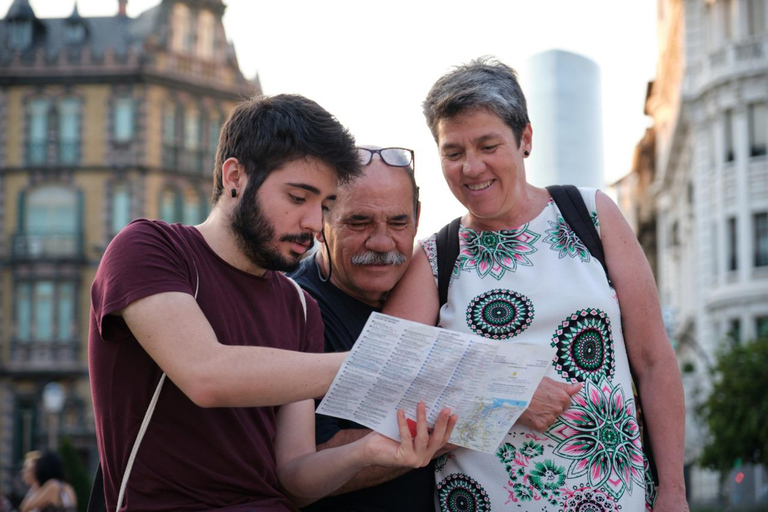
<point x="395" y="157"/>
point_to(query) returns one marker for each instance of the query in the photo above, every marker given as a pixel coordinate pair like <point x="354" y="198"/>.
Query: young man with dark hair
<point x="205" y="306"/>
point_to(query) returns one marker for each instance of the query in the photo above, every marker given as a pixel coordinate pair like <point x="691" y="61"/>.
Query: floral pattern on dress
<point x="495" y="252"/>
<point x="595" y="221"/>
<point x="584" y="499"/>
<point x="599" y="433"/>
<point x="499" y="314"/>
<point x="650" y="485"/>
<point x="460" y="493"/>
<point x="441" y="461"/>
<point x="564" y="241"/>
<point x="430" y="249"/>
<point x="531" y="479"/>
<point x="584" y="344"/>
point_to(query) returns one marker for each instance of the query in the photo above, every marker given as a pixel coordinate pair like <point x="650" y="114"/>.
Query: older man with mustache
<point x="367" y="243"/>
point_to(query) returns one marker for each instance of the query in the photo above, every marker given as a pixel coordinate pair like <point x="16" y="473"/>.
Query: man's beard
<point x="255" y="236"/>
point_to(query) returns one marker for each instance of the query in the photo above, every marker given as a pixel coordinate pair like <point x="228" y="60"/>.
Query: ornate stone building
<point x="102" y="120"/>
<point x="709" y="192"/>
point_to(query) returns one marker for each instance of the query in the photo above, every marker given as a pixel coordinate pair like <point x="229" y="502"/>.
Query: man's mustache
<point x="379" y="258"/>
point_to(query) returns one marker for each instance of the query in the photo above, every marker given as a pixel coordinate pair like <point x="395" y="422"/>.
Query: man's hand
<point x="415" y="449"/>
<point x="550" y="400"/>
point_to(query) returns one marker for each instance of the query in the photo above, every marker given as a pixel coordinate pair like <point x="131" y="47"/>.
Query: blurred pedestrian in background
<point x="48" y="492"/>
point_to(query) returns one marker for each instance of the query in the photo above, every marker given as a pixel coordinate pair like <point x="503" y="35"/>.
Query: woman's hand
<point x="413" y="451"/>
<point x="550" y="400"/>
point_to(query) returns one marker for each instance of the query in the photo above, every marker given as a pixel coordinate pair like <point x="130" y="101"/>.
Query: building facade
<point x="102" y="120"/>
<point x="709" y="105"/>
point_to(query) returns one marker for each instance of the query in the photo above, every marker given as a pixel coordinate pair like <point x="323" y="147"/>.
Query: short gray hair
<point x="484" y="83"/>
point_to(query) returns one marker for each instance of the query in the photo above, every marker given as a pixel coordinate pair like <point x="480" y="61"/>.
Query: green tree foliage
<point x="76" y="473"/>
<point x="736" y="412"/>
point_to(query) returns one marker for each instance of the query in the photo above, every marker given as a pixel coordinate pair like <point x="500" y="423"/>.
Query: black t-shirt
<point x="344" y="318"/>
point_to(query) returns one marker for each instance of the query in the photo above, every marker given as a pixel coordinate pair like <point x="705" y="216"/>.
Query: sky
<point x="372" y="63"/>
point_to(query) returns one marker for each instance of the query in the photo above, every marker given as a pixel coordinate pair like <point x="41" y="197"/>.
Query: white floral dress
<point x="539" y="284"/>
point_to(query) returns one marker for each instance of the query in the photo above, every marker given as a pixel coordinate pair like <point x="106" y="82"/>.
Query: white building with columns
<point x="709" y="105"/>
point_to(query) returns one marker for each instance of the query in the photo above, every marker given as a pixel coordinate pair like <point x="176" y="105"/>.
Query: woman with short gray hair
<point x="523" y="275"/>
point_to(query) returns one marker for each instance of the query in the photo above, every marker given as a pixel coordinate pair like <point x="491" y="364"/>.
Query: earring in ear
<point x="526" y="153"/>
<point x="234" y="192"/>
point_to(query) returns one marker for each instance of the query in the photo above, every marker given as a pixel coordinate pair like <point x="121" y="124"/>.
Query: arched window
<point x="65" y="311"/>
<point x="51" y="210"/>
<point x="123" y="120"/>
<point x="214" y="128"/>
<point x="206" y="35"/>
<point x="756" y="17"/>
<point x="121" y="207"/>
<point x="191" y="159"/>
<point x="23" y="311"/>
<point x="169" y="125"/>
<point x="170" y="149"/>
<point x="193" y="207"/>
<point x="45" y="311"/>
<point x="51" y="221"/>
<point x="192" y="129"/>
<point x="182" y="35"/>
<point x="20" y="34"/>
<point x="37" y="140"/>
<point x="169" y="205"/>
<point x="69" y="130"/>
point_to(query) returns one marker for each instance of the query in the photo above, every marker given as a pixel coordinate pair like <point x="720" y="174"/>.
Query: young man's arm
<point x="175" y="333"/>
<point x="307" y="475"/>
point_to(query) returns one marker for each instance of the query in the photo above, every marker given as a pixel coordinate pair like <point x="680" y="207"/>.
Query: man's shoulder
<point x="142" y="225"/>
<point x="152" y="236"/>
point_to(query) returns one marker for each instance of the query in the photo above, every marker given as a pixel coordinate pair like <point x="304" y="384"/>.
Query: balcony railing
<point x="186" y="160"/>
<point x="47" y="246"/>
<point x="66" y="152"/>
<point x="170" y="157"/>
<point x="49" y="356"/>
<point x="37" y="153"/>
<point x="192" y="161"/>
<point x="731" y="57"/>
<point x="69" y="152"/>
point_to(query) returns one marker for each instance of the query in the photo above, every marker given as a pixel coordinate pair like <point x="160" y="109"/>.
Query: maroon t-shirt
<point x="190" y="458"/>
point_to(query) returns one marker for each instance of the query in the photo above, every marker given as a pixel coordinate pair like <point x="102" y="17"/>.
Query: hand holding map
<point x="395" y="364"/>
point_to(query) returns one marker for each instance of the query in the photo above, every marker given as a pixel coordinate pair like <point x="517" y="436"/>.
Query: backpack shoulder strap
<point x="447" y="244"/>
<point x="575" y="213"/>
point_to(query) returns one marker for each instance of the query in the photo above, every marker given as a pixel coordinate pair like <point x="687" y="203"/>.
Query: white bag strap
<point x="156" y="395"/>
<point x="145" y="421"/>
<point x="301" y="296"/>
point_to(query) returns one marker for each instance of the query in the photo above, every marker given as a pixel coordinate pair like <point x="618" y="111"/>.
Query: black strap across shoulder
<point x="571" y="204"/>
<point x="447" y="251"/>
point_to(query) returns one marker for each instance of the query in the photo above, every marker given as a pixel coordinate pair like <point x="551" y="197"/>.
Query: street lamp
<point x="53" y="403"/>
